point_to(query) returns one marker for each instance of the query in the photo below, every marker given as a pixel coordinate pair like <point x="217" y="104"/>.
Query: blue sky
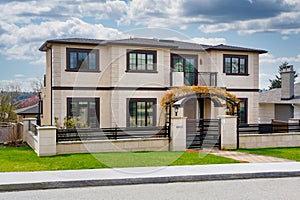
<point x="272" y="25"/>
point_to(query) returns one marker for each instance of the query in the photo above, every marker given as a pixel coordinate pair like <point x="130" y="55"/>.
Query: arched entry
<point x="193" y="100"/>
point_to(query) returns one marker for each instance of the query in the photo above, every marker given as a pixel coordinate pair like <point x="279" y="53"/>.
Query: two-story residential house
<point x="112" y="83"/>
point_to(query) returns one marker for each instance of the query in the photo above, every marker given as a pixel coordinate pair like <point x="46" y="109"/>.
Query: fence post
<point x="228" y="131"/>
<point x="46" y="140"/>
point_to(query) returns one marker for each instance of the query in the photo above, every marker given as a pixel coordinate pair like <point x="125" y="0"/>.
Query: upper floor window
<point x="82" y="59"/>
<point x="141" y="61"/>
<point x="236" y="64"/>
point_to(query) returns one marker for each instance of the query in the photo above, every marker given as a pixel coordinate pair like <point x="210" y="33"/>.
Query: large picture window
<point x="87" y="109"/>
<point x="82" y="59"/>
<point x="236" y="64"/>
<point x="243" y="115"/>
<point x="141" y="61"/>
<point x="141" y="112"/>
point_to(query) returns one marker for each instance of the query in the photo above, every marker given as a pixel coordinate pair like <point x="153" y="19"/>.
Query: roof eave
<point x="239" y="50"/>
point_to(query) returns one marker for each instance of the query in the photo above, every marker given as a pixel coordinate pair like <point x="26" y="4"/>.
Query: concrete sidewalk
<point x="13" y="181"/>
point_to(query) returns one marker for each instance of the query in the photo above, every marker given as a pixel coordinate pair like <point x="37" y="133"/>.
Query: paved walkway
<point x="246" y="157"/>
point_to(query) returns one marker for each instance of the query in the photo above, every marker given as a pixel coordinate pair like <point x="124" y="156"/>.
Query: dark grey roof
<point x="171" y="44"/>
<point x="274" y="96"/>
<point x="28" y="110"/>
<point x="234" y="48"/>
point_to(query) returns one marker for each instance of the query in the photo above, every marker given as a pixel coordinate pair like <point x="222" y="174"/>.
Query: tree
<point x="276" y="83"/>
<point x="8" y="97"/>
<point x="36" y="85"/>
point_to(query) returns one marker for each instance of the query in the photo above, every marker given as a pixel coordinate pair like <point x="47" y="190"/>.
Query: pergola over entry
<point x="217" y="95"/>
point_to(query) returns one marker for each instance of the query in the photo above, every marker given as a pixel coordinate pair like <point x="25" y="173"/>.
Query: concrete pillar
<point x="228" y="131"/>
<point x="46" y="141"/>
<point x="178" y="134"/>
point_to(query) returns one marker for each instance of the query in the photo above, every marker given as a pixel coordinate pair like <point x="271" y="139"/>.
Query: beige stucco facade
<point x="113" y="85"/>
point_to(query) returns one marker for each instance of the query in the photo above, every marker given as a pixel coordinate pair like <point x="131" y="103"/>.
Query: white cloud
<point x="269" y="58"/>
<point x="19" y="75"/>
<point x="264" y="80"/>
<point x="285" y="37"/>
<point x="22" y="43"/>
<point x="209" y="41"/>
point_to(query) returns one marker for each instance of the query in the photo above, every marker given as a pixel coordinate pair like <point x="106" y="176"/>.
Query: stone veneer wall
<point x="270" y="140"/>
<point x="125" y="145"/>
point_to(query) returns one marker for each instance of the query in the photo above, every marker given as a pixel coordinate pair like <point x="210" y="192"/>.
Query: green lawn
<point x="287" y="153"/>
<point x="25" y="159"/>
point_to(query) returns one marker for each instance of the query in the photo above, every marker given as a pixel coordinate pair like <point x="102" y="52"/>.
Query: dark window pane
<point x="82" y="60"/>
<point x="242" y="65"/>
<point x="92" y="61"/>
<point x="228" y="65"/>
<point x="132" y="113"/>
<point x="149" y="113"/>
<point x="243" y="111"/>
<point x="235" y="65"/>
<point x="150" y="62"/>
<point x="141" y="61"/>
<point x="73" y="60"/>
<point x="178" y="64"/>
<point x="132" y="61"/>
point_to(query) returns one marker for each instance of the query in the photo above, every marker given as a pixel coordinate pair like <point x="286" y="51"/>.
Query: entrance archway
<point x="199" y="128"/>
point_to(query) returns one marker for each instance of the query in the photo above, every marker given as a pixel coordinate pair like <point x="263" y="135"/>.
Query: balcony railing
<point x="207" y="79"/>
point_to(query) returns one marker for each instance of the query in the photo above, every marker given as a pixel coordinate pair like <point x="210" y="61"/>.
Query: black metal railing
<point x="275" y="127"/>
<point x="207" y="79"/>
<point x="33" y="128"/>
<point x="116" y="133"/>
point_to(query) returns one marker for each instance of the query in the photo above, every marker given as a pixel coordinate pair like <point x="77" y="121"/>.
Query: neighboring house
<point x="27" y="112"/>
<point x="112" y="83"/>
<point x="281" y="103"/>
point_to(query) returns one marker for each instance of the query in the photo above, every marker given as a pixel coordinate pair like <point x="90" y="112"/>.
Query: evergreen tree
<point x="276" y="83"/>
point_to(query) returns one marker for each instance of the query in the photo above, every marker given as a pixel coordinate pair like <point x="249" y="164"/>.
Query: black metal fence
<point x="33" y="128"/>
<point x="275" y="127"/>
<point x="203" y="133"/>
<point x="63" y="135"/>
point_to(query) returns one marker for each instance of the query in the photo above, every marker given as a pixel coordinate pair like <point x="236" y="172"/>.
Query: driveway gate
<point x="203" y="133"/>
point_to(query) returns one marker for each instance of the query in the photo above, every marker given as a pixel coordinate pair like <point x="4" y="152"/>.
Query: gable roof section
<point x="171" y="44"/>
<point x="274" y="96"/>
<point x="34" y="109"/>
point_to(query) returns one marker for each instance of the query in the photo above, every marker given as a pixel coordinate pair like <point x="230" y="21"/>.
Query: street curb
<point x="135" y="181"/>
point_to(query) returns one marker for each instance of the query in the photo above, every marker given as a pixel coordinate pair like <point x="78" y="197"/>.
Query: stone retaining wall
<point x="270" y="140"/>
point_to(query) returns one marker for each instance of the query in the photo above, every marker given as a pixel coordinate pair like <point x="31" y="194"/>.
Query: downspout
<point x="51" y="98"/>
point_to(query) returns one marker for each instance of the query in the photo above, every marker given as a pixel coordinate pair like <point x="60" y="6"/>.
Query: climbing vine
<point x="215" y="94"/>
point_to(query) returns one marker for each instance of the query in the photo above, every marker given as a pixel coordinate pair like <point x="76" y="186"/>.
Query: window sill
<point x="76" y="70"/>
<point x="233" y="74"/>
<point x="141" y="71"/>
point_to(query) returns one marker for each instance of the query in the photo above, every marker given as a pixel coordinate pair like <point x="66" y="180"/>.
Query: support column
<point x="228" y="132"/>
<point x="46" y="141"/>
<point x="178" y="134"/>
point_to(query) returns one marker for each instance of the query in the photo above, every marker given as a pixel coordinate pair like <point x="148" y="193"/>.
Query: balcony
<point x="207" y="79"/>
<point x="203" y="79"/>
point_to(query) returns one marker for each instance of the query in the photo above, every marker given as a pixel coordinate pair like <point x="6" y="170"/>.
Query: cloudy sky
<point x="273" y="25"/>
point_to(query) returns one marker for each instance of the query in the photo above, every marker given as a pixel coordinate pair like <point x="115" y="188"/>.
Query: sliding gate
<point x="203" y="133"/>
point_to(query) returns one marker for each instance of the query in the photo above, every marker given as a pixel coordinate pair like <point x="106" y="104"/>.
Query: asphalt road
<point x="282" y="188"/>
